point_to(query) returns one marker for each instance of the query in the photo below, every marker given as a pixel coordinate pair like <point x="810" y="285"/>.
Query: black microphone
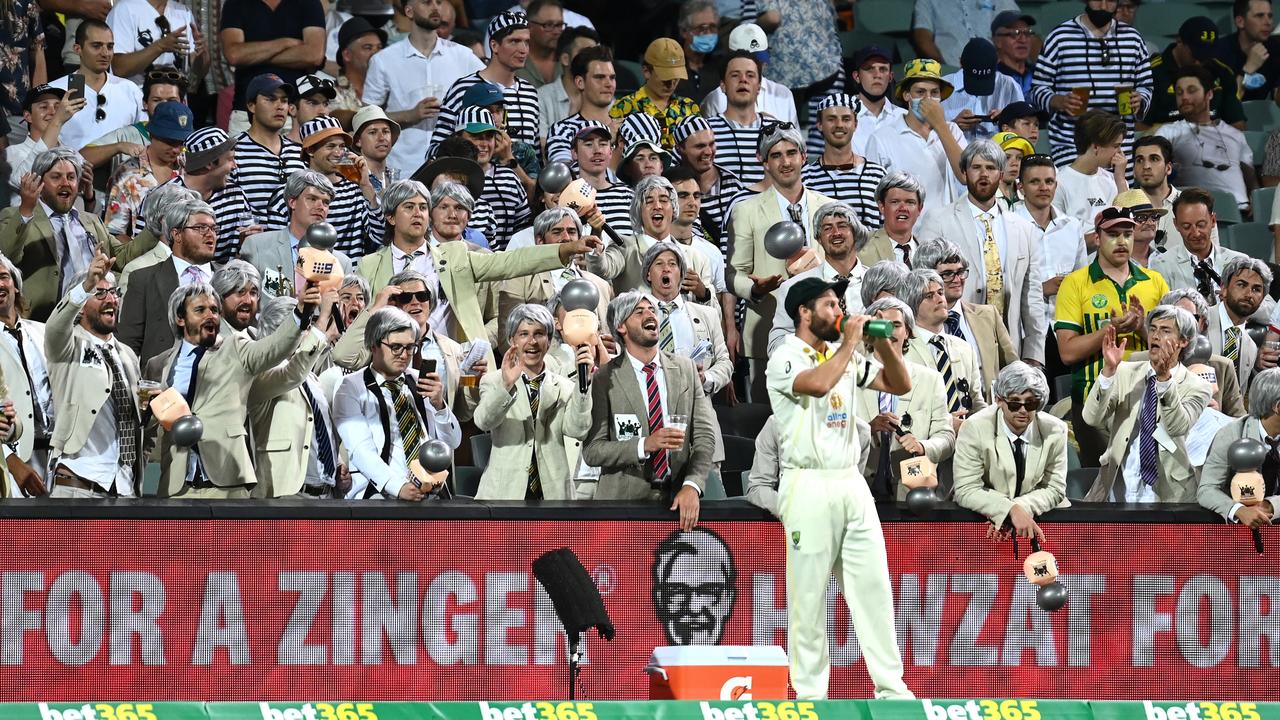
<point x="583" y="379"/>
<point x="1257" y="539"/>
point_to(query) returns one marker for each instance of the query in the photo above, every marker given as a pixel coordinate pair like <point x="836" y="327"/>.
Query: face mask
<point x="704" y="43"/>
<point x="1099" y="18"/>
<point x="870" y="96"/>
<point x="915" y="109"/>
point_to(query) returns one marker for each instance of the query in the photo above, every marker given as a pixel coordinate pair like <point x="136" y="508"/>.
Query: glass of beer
<point x="678" y="422"/>
<point x="1083" y="94"/>
<point x="1124" y="100"/>
<point x="148" y="389"/>
<point x="348" y="169"/>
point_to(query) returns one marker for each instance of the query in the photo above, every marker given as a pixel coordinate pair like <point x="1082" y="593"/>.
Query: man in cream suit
<point x="635" y="399"/>
<point x="97" y="442"/>
<point x="1261" y="424"/>
<point x="274" y="253"/>
<point x="23" y="364"/>
<point x="1002" y="248"/>
<point x="552" y="227"/>
<point x="753" y="274"/>
<point x="933" y="348"/>
<point x="295" y="444"/>
<point x="1229" y="396"/>
<point x="451" y="267"/>
<point x="1149" y="407"/>
<point x="529" y="410"/>
<point x="1011" y="459"/>
<point x="978" y="325"/>
<point x="900" y="197"/>
<point x="214" y="367"/>
<point x="1245" y="282"/>
<point x="920" y="414"/>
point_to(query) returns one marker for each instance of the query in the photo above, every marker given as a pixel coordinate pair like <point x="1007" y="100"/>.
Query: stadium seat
<point x="481" y="445"/>
<point x="1166" y="18"/>
<point x="1062" y="386"/>
<point x="884" y="16"/>
<point x="1253" y="239"/>
<point x="1261" y="115"/>
<point x="744" y="419"/>
<point x="739" y="452"/>
<point x="1053" y="14"/>
<point x="1262" y="200"/>
<point x="856" y="39"/>
<point x="630" y="76"/>
<point x="1225" y="207"/>
<point x="1257" y="140"/>
<point x="1079" y="481"/>
<point x="1073" y="458"/>
<point x="466" y="480"/>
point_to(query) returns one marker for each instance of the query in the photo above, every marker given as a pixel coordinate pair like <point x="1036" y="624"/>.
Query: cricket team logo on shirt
<point x="838" y="418"/>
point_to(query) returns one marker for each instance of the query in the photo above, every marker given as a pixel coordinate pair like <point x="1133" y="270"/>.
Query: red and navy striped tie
<point x="658" y="460"/>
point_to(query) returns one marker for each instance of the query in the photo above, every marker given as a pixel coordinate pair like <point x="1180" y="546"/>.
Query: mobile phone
<point x="428" y="366"/>
<point x="75" y="85"/>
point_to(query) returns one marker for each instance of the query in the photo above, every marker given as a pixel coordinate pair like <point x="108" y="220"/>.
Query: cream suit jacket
<point x="985" y="476"/>
<point x="19" y="391"/>
<point x="1118" y="408"/>
<point x="1214" y="491"/>
<point x="621" y="264"/>
<point x="283" y="425"/>
<point x="537" y="289"/>
<point x="518" y="436"/>
<point x="922" y="412"/>
<point x="748" y="223"/>
<point x="964" y="365"/>
<point x="995" y="348"/>
<point x="1023" y="296"/>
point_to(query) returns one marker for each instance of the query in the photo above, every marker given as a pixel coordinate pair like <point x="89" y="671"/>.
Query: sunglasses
<point x="115" y="292"/>
<point x="772" y="127"/>
<point x="1031" y="405"/>
<point x="101" y="113"/>
<point x="405" y="298"/>
<point x="165" y="77"/>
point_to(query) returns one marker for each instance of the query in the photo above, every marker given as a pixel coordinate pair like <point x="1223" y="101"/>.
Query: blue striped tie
<point x="948" y="377"/>
<point x="1147" y="454"/>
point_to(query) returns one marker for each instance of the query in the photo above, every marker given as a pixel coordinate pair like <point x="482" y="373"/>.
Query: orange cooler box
<point x="718" y="672"/>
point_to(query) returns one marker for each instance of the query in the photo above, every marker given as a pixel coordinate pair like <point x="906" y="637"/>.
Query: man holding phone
<point x="110" y="102"/>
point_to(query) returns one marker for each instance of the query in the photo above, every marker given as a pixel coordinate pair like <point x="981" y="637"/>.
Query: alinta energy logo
<point x="694" y="587"/>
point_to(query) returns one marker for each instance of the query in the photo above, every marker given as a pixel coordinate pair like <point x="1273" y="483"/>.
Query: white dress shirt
<point x="1136" y="491"/>
<point x="806" y="220"/>
<point x="897" y="147"/>
<point x="1006" y="91"/>
<point x="1062" y="250"/>
<point x="715" y="260"/>
<point x="868" y="122"/>
<point x="42" y="390"/>
<point x="995" y="216"/>
<point x="1027" y="437"/>
<point x="660" y="377"/>
<point x="681" y="328"/>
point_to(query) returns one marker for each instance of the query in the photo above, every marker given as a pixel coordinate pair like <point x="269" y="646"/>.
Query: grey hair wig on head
<point x="655" y="250"/>
<point x="156" y="202"/>
<point x="838" y="209"/>
<point x="912" y="290"/>
<point x="385" y="321"/>
<point x="900" y="180"/>
<point x="402" y="191"/>
<point x="1018" y="377"/>
<point x="893" y="303"/>
<point x="273" y="314"/>
<point x="45" y="161"/>
<point x="1264" y="393"/>
<point x="179" y="214"/>
<point x="642" y="189"/>
<point x="531" y="313"/>
<point x="552" y="217"/>
<point x="1241" y="264"/>
<point x="359" y="283"/>
<point x="1186" y="323"/>
<point x="621" y="307"/>
<point x="982" y="149"/>
<point x="178" y="302"/>
<point x="453" y="190"/>
<point x="235" y="276"/>
<point x="932" y="253"/>
<point x="884" y="276"/>
<point x="1191" y="295"/>
<point x="300" y="180"/>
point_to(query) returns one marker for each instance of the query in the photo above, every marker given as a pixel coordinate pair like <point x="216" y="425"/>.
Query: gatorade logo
<point x="736" y="688"/>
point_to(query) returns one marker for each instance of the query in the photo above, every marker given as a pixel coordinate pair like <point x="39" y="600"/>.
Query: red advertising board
<point x="449" y="610"/>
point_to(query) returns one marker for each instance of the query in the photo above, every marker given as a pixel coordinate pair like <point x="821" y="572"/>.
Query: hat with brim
<point x="459" y="166"/>
<point x="316" y="138"/>
<point x="629" y="154"/>
<point x="1137" y="202"/>
<point x="1013" y="141"/>
<point x="205" y="146"/>
<point x="171" y="121"/>
<point x="371" y="114"/>
<point x="1113" y="218"/>
<point x="808" y="289"/>
<point x="923" y="69"/>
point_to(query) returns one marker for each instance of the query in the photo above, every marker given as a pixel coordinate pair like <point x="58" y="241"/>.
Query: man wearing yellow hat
<point x="1015" y="148"/>
<point x="922" y="142"/>
<point x="663" y="69"/>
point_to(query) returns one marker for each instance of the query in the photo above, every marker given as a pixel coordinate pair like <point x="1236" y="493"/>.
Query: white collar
<point x="399" y="254"/>
<point x="1224" y="320"/>
<point x="1027" y="435"/>
<point x="978" y="212"/>
<point x="638" y="365"/>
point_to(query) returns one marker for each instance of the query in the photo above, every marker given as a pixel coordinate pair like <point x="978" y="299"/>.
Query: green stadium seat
<point x="1166" y="18"/>
<point x="481" y="447"/>
<point x="884" y="16"/>
<point x="466" y="480"/>
<point x="1224" y="205"/>
<point x="1053" y="14"/>
<point x="1262" y="200"/>
<point x="853" y="40"/>
<point x="1079" y="481"/>
<point x="1257" y="140"/>
<point x="1253" y="239"/>
<point x="630" y="76"/>
<point x="1261" y="114"/>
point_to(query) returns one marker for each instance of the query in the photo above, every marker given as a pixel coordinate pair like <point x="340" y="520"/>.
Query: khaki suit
<point x="223" y="381"/>
<point x="615" y="391"/>
<point x="31" y="247"/>
<point x="80" y="389"/>
<point x="1230" y="399"/>
<point x="1248" y="348"/>
<point x="964" y="365"/>
<point x="1177" y="266"/>
<point x="622" y="265"/>
<point x="1118" y="408"/>
<point x="922" y="413"/>
<point x="995" y="348"/>
<point x="517" y="436"/>
<point x="748" y="223"/>
<point x="283" y="425"/>
<point x="271" y="253"/>
<point x="537" y="289"/>
<point x="879" y="247"/>
<point x="11" y="369"/>
<point x="461" y="273"/>
<point x="986" y="478"/>
<point x="1214" y="491"/>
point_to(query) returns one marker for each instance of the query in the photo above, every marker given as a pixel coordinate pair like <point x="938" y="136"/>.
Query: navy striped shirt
<point x="521" y="106"/>
<point x="560" y="138"/>
<point x="504" y="193"/>
<point x="260" y="172"/>
<point x="614" y="203"/>
<point x="736" y="148"/>
<point x="716" y="205"/>
<point x="856" y="188"/>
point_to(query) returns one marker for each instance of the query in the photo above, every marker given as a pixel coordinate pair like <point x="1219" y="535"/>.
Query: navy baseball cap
<point x="483" y="94"/>
<point x="979" y="63"/>
<point x="40" y="92"/>
<point x="267" y="84"/>
<point x="1199" y="34"/>
<point x="871" y="52"/>
<point x="171" y="121"/>
<point x="1008" y="18"/>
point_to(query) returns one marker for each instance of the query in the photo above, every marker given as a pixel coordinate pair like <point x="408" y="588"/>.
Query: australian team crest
<point x="1099" y="301"/>
<point x="837" y="402"/>
<point x="795" y="539"/>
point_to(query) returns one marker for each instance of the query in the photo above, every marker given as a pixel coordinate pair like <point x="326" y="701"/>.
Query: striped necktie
<point x="126" y="410"/>
<point x="991" y="261"/>
<point x="406" y="420"/>
<point x="952" y="324"/>
<point x="943" y="362"/>
<point x="1231" y="346"/>
<point x="881" y="485"/>
<point x="658" y="460"/>
<point x="666" y="336"/>
<point x="1147" y="451"/>
<point x="534" y="489"/>
<point x="410" y="257"/>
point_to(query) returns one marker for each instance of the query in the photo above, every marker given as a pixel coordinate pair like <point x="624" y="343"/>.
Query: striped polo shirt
<point x="521" y="106"/>
<point x="614" y="203"/>
<point x="855" y="187"/>
<point x="505" y="195"/>
<point x="717" y="203"/>
<point x="231" y="211"/>
<point x="560" y="138"/>
<point x="1087" y="298"/>
<point x="359" y="225"/>
<point x="260" y="172"/>
<point x="736" y="148"/>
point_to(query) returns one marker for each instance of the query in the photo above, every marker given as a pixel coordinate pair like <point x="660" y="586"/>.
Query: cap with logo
<point x="476" y="120"/>
<point x="40" y="92"/>
<point x="750" y="37"/>
<point x="871" y="52"/>
<point x="483" y="94"/>
<point x="979" y="63"/>
<point x="666" y="58"/>
<point x="267" y="84"/>
<point x="1009" y="18"/>
<point x="808" y="289"/>
<point x="370" y="114"/>
<point x="171" y="121"/>
<point x="354" y="29"/>
<point x="1199" y="34"/>
<point x="309" y="85"/>
<point x="923" y="69"/>
<point x="1014" y="141"/>
<point x="205" y="146"/>
<point x="1113" y="217"/>
<point x="321" y="128"/>
<point x="1137" y="202"/>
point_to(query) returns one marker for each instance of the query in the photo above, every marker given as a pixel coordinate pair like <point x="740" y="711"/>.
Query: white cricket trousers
<point x="831" y="525"/>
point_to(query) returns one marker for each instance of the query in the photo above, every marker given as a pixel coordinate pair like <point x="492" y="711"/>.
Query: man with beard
<point x="900" y="200"/>
<point x="191" y="233"/>
<point x="1207" y="151"/>
<point x="694" y="587"/>
<point x="1245" y="281"/>
<point x="1251" y="51"/>
<point x="409" y="79"/>
<point x="1146" y="460"/>
<point x="753" y="274"/>
<point x="737" y="129"/>
<point x="210" y="164"/>
<point x="45" y="236"/>
<point x="263" y="157"/>
<point x="96" y="448"/>
<point x="23" y="363"/>
<point x="839" y="171"/>
<point x="825" y="505"/>
<point x="153" y="249"/>
<point x="240" y="287"/>
<point x="840" y="234"/>
<point x="509" y="48"/>
<point x="662" y="453"/>
<point x="1196" y="262"/>
<point x="695" y="144"/>
<point x="1106" y="296"/>
<point x="374" y="135"/>
<point x="214" y="367"/>
<point x="1002" y="247"/>
<point x="275" y="253"/>
<point x="45" y="110"/>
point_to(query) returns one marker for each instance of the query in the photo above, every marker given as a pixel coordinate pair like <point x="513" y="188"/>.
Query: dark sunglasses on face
<point x="1031" y="405"/>
<point x="405" y="298"/>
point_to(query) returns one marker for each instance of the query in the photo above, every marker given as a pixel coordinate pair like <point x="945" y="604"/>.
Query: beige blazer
<point x="1230" y="399"/>
<point x="1213" y="491"/>
<point x="538" y="289"/>
<point x="1118" y="408"/>
<point x="518" y="436"/>
<point x="986" y="479"/>
<point x="225" y="378"/>
<point x="616" y="395"/>
<point x="748" y="223"/>
<point x="995" y="348"/>
<point x="879" y="247"/>
<point x="1023" y="296"/>
<point x="23" y="403"/>
<point x="283" y="426"/>
<point x="621" y="265"/>
<point x="922" y="412"/>
<point x="32" y="248"/>
<point x="964" y="364"/>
